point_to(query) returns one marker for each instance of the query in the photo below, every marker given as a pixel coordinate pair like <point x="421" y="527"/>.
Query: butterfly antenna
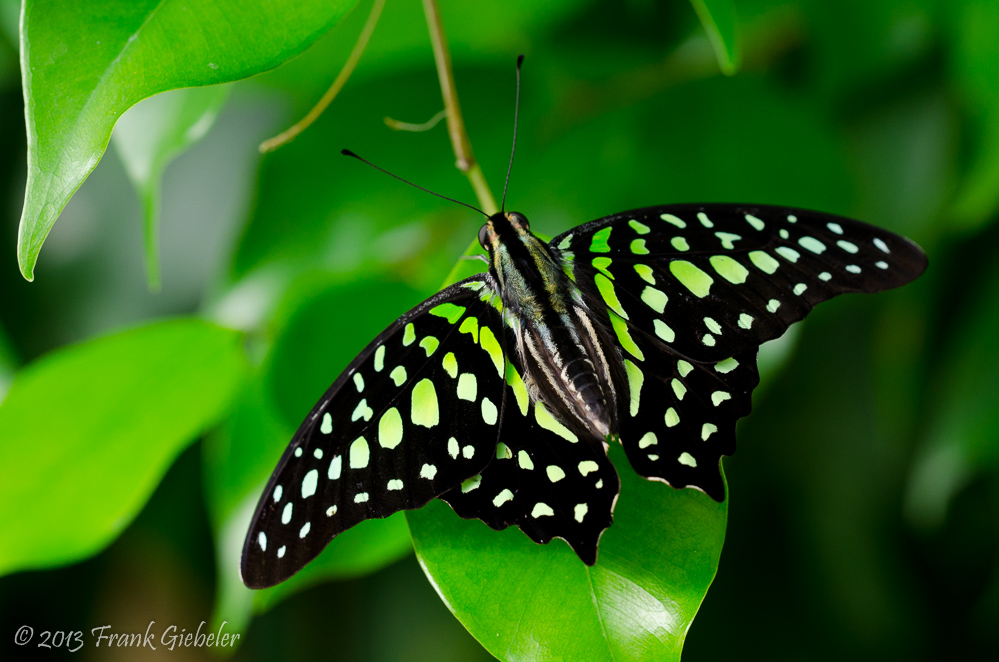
<point x="347" y="152"/>
<point x="516" y="111"/>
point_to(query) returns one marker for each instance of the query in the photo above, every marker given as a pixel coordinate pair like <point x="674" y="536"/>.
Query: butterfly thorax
<point x="564" y="353"/>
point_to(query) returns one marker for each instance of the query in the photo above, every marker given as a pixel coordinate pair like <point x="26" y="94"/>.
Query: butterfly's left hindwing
<point x="411" y="417"/>
<point x="545" y="479"/>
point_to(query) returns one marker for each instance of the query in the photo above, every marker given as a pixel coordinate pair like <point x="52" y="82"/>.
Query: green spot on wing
<point x="788" y="253"/>
<point x="726" y="366"/>
<point x="601" y="263"/>
<point x="471" y="326"/>
<point x="467" y="387"/>
<point x="450" y="364"/>
<point x="640" y="228"/>
<point x="663" y="331"/>
<point x="654" y="299"/>
<point x="638" y="247"/>
<point x="644" y="272"/>
<point x="755" y="222"/>
<point x="812" y="244"/>
<point x="606" y="289"/>
<point x="516" y="382"/>
<point x="691" y="277"/>
<point x="548" y="422"/>
<point x="425" y="410"/>
<point x="598" y="244"/>
<point x="489" y="343"/>
<point x="490" y="413"/>
<point x="359" y="453"/>
<point x="635" y="380"/>
<point x="390" y="429"/>
<point x="764" y="262"/>
<point x="729" y="269"/>
<point x="624" y="336"/>
<point x="727" y="238"/>
<point x="451" y="312"/>
<point x="670" y="218"/>
<point x="409" y="335"/>
<point x="847" y="246"/>
<point x="430" y="344"/>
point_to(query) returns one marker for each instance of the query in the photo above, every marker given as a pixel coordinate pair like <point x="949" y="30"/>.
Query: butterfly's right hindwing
<point x="412" y="417"/>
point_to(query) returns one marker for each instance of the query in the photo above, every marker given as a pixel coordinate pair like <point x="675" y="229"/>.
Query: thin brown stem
<point x="396" y="125"/>
<point x="464" y="157"/>
<point x="292" y="132"/>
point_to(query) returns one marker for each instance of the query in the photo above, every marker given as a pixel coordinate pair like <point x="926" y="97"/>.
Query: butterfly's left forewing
<point x="414" y="415"/>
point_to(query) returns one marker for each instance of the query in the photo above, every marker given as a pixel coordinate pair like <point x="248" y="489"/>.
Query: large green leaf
<point x="150" y="135"/>
<point x="84" y="64"/>
<point x="524" y="601"/>
<point x="89" y="430"/>
<point x="718" y="18"/>
<point x="975" y="61"/>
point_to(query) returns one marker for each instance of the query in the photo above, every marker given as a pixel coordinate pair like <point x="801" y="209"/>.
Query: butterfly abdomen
<point x="568" y="360"/>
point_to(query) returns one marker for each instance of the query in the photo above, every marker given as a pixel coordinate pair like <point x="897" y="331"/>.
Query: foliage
<point x="864" y="510"/>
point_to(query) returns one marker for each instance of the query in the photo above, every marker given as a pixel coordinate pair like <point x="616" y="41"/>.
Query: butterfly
<point x="501" y="394"/>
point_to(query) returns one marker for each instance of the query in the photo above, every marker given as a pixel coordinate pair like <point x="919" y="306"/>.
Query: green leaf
<point x="83" y="65"/>
<point x="89" y="430"/>
<point x="150" y="135"/>
<point x="524" y="601"/>
<point x="718" y="19"/>
<point x="975" y="61"/>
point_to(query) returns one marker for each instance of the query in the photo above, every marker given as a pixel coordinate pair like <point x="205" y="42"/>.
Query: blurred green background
<point x="864" y="499"/>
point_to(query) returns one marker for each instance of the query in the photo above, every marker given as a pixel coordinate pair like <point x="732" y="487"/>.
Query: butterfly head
<point x="503" y="227"/>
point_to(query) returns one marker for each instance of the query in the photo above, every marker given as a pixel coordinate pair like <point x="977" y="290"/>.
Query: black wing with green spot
<point x="414" y="415"/>
<point x="544" y="479"/>
<point x="691" y="291"/>
<point x="715" y="280"/>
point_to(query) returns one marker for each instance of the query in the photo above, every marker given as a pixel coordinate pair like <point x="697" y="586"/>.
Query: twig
<point x="396" y="125"/>
<point x="289" y="134"/>
<point x="465" y="159"/>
